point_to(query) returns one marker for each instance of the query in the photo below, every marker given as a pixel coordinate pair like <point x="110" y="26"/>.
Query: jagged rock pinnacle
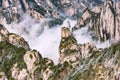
<point x="68" y="24"/>
<point x="68" y="47"/>
<point x="65" y="32"/>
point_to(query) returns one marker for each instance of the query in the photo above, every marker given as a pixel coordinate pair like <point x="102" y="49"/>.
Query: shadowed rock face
<point x="103" y="20"/>
<point x="12" y="10"/>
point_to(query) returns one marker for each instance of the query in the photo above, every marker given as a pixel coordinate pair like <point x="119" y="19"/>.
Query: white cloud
<point x="82" y="36"/>
<point x="46" y="40"/>
<point x="38" y="35"/>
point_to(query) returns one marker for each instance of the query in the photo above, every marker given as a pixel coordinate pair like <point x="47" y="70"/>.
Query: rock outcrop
<point x="58" y="10"/>
<point x="76" y="62"/>
<point x="87" y="48"/>
<point x="12" y="38"/>
<point x="100" y="64"/>
<point x="68" y="49"/>
<point x="12" y="10"/>
<point x="103" y="20"/>
<point x="18" y="62"/>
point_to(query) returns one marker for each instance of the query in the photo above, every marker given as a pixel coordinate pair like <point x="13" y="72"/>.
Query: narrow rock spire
<point x="68" y="24"/>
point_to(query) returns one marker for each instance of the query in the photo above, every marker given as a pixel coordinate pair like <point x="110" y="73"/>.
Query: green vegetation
<point x="67" y="41"/>
<point x="31" y="56"/>
<point x="68" y="51"/>
<point x="97" y="66"/>
<point x="40" y="79"/>
<point x="45" y="63"/>
<point x="11" y="55"/>
<point x="10" y="79"/>
<point x="37" y="73"/>
<point x="66" y="44"/>
<point x="60" y="71"/>
<point x="0" y="76"/>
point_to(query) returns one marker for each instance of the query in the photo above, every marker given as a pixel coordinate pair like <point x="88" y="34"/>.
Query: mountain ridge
<point x="76" y="61"/>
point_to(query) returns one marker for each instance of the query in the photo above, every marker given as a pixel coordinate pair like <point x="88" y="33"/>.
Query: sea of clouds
<point x="46" y="40"/>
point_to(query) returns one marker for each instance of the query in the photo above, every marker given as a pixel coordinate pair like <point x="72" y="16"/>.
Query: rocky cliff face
<point x="103" y="20"/>
<point x="69" y="50"/>
<point x="58" y="10"/>
<point x="18" y="62"/>
<point x="12" y="38"/>
<point x="12" y="10"/>
<point x="76" y="62"/>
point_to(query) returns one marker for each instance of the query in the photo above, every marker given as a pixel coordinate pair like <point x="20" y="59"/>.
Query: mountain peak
<point x="76" y="61"/>
<point x="65" y="32"/>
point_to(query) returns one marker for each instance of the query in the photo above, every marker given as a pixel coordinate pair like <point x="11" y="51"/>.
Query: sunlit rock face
<point x="12" y="10"/>
<point x="86" y="48"/>
<point x="69" y="50"/>
<point x="12" y="38"/>
<point x="17" y="41"/>
<point x="70" y="7"/>
<point x="75" y="8"/>
<point x="76" y="61"/>
<point x="83" y="20"/>
<point x="97" y="9"/>
<point x="101" y="64"/>
<point x="107" y="20"/>
<point x="117" y="21"/>
<point x="3" y="76"/>
<point x="19" y="62"/>
<point x="65" y="32"/>
<point x="103" y="20"/>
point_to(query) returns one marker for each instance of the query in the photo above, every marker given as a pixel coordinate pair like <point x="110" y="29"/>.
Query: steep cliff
<point x="58" y="10"/>
<point x="103" y="20"/>
<point x="76" y="62"/>
<point x="100" y="65"/>
<point x="12" y="10"/>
